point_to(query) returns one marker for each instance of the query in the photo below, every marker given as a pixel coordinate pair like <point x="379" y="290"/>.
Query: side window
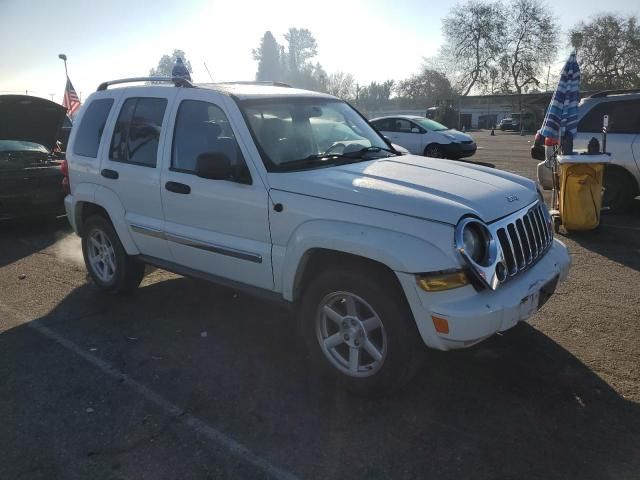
<point x="402" y="125"/>
<point x="137" y="132"/>
<point x="203" y="127"/>
<point x="624" y="117"/>
<point x="383" y="125"/>
<point x="90" y="130"/>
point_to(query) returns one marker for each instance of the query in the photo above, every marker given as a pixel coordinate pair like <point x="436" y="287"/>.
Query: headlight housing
<point x="478" y="247"/>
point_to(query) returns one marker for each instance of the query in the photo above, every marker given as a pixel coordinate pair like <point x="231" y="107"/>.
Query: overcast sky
<point x="373" y="40"/>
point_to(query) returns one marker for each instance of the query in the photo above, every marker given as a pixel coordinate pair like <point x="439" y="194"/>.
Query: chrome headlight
<point x="478" y="247"/>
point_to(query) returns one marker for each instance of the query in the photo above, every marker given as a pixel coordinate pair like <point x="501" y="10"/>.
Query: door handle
<point x="112" y="174"/>
<point x="176" y="187"/>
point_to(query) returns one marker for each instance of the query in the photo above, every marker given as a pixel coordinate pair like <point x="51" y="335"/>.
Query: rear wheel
<point x="359" y="330"/>
<point x="111" y="269"/>
<point x="618" y="189"/>
<point x="434" y="150"/>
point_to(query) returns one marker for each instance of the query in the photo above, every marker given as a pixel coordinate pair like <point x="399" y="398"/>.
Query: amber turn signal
<point x="442" y="281"/>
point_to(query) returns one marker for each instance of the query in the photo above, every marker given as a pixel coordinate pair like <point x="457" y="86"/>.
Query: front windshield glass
<point x="430" y="125"/>
<point x="21" y="146"/>
<point x="295" y="133"/>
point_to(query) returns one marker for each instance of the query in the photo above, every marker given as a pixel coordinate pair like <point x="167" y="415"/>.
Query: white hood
<point x="458" y="135"/>
<point x="440" y="190"/>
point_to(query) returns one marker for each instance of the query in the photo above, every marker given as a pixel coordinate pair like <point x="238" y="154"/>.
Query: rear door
<point x="220" y="227"/>
<point x="130" y="165"/>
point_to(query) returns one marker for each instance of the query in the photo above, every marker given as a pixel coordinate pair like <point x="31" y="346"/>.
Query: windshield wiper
<point x="332" y="158"/>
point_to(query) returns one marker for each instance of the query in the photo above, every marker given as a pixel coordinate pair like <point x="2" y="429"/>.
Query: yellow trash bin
<point x="581" y="190"/>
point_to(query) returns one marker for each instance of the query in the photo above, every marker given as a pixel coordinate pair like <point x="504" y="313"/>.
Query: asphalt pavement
<point x="188" y="380"/>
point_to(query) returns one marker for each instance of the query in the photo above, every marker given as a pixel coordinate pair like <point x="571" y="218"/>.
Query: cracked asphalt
<point x="193" y="381"/>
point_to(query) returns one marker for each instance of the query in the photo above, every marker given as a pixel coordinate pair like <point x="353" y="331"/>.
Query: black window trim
<point x="247" y="181"/>
<point x="128" y="162"/>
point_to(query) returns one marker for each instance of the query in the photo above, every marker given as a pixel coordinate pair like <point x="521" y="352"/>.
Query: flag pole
<point x="63" y="57"/>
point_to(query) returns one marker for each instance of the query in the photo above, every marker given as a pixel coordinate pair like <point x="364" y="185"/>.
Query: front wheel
<point x="434" y="150"/>
<point x="359" y="330"/>
<point x="111" y="269"/>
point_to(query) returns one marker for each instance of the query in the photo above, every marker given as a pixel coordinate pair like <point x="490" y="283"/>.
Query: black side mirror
<point x="214" y="166"/>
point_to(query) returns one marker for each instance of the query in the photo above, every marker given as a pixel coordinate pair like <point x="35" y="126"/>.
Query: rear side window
<point x="90" y="130"/>
<point x="624" y="117"/>
<point x="137" y="132"/>
<point x="384" y="125"/>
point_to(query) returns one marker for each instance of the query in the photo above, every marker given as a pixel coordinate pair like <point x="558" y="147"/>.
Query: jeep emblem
<point x="512" y="198"/>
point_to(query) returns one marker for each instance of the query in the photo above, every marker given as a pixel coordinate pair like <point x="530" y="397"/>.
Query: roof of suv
<point x="240" y="90"/>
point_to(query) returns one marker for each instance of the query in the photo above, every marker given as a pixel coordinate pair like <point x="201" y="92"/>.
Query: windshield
<point x="430" y="125"/>
<point x="295" y="133"/>
<point x="21" y="146"/>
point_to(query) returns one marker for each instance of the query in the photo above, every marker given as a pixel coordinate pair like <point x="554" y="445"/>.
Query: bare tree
<point x="341" y="85"/>
<point x="473" y="42"/>
<point x="530" y="43"/>
<point x="608" y="51"/>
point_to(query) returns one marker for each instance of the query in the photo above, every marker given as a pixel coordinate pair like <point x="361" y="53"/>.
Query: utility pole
<point x="207" y="68"/>
<point x="548" y="73"/>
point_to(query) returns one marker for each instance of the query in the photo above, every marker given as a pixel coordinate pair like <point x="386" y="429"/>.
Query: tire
<point x="393" y="335"/>
<point x="120" y="273"/>
<point x="618" y="190"/>
<point x="434" y="150"/>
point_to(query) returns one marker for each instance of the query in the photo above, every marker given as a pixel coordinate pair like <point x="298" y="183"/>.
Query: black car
<point x="30" y="170"/>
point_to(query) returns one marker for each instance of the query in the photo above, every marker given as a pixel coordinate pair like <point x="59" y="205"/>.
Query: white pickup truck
<point x="293" y="195"/>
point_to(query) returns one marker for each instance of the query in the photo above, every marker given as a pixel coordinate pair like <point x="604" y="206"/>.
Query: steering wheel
<point x="332" y="147"/>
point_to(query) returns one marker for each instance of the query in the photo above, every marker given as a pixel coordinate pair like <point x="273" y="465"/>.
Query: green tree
<point x="427" y="88"/>
<point x="268" y="57"/>
<point x="302" y="47"/>
<point x="166" y="63"/>
<point x="375" y="95"/>
<point x="608" y="51"/>
<point x="473" y="41"/>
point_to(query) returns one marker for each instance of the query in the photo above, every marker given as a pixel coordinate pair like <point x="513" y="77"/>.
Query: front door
<point x="406" y="134"/>
<point x="220" y="227"/>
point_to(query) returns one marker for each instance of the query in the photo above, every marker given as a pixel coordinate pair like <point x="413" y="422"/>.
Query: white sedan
<point x="423" y="136"/>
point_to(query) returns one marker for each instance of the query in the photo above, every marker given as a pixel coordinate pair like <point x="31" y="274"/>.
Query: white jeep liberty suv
<point x="292" y="194"/>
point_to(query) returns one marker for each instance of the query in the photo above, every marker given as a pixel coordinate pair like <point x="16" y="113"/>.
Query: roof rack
<point x="267" y="83"/>
<point x="177" y="81"/>
<point x="606" y="93"/>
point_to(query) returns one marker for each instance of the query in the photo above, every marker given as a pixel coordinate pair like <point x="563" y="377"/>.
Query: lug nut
<point x="344" y="324"/>
<point x="353" y="322"/>
<point x="346" y="337"/>
<point x="357" y="343"/>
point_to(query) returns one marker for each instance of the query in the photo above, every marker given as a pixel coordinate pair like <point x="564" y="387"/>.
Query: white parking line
<point x="196" y="424"/>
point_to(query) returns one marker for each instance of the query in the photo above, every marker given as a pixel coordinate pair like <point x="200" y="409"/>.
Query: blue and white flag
<point x="562" y="116"/>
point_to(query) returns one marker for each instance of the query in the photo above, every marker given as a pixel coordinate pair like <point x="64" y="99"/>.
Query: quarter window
<point x="137" y="132"/>
<point x="203" y="127"/>
<point x="624" y="117"/>
<point x="90" y="131"/>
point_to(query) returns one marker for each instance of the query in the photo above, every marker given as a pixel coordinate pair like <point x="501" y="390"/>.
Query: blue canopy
<point x="562" y="115"/>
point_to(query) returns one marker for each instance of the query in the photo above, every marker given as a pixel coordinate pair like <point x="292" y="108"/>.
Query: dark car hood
<point x="30" y="119"/>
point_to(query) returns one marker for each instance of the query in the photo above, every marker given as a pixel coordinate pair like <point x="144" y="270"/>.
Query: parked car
<point x="30" y="172"/>
<point x="423" y="136"/>
<point x="622" y="175"/>
<point x="248" y="186"/>
<point x="509" y="124"/>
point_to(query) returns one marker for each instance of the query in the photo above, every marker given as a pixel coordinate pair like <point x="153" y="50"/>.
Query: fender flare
<point x="107" y="199"/>
<point x="398" y="251"/>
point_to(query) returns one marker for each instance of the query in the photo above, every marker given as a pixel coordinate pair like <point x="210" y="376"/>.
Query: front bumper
<point x="473" y="316"/>
<point x="460" y="150"/>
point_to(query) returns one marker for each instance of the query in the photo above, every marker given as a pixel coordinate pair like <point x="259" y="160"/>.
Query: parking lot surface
<point x="189" y="380"/>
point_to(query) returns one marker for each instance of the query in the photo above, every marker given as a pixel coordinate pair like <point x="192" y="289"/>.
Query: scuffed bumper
<point x="473" y="316"/>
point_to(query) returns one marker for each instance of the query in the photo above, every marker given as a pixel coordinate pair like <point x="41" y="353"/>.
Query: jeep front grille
<point x="524" y="238"/>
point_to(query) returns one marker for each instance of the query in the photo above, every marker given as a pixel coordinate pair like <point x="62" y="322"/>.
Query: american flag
<point x="71" y="100"/>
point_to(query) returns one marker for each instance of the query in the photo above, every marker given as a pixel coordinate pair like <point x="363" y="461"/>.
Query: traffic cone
<point x="493" y="134"/>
